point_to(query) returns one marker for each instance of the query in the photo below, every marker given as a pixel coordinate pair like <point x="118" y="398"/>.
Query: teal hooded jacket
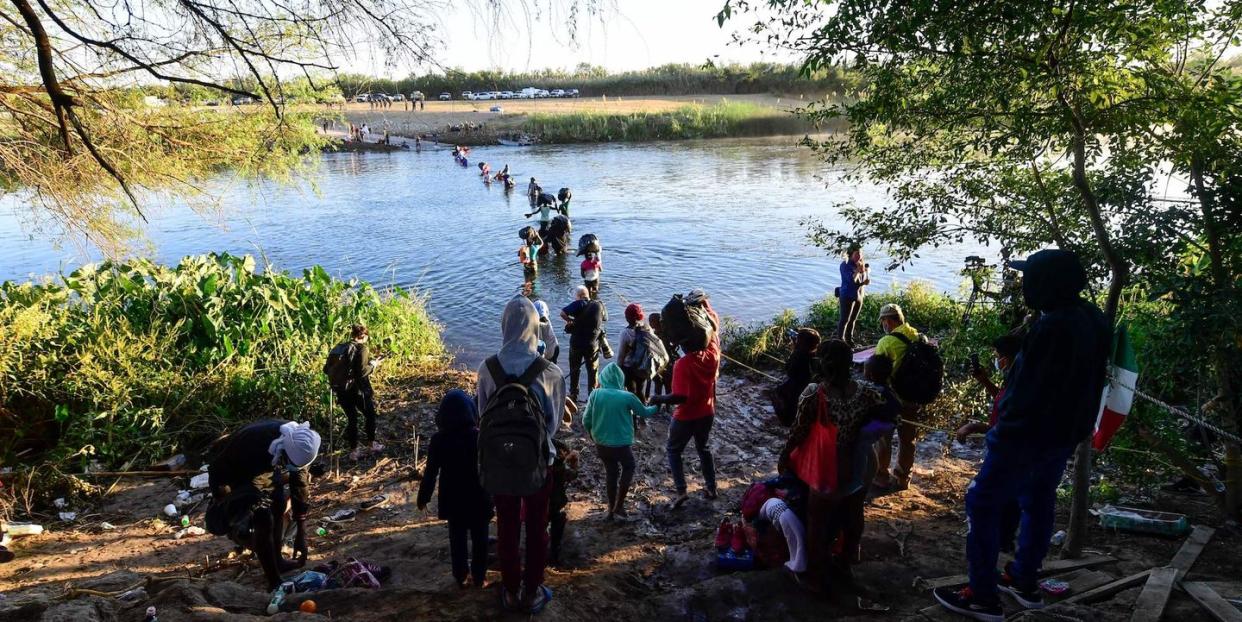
<point x="610" y="410"/>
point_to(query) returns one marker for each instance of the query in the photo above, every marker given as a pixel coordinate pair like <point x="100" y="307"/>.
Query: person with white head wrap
<point x="257" y="483"/>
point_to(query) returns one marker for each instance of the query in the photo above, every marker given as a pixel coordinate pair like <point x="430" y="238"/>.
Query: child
<point x="564" y="470"/>
<point x="663" y="381"/>
<point x="452" y="457"/>
<point x="608" y="420"/>
<point x="1006" y="348"/>
<point x="591" y="268"/>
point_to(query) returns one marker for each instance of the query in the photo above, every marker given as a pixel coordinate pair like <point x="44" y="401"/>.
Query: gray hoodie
<point x="519" y="332"/>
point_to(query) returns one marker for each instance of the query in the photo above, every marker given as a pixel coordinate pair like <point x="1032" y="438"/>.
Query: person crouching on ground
<point x="826" y="464"/>
<point x="257" y="484"/>
<point x="694" y="394"/>
<point x="452" y="459"/>
<point x="518" y="357"/>
<point x="608" y="423"/>
<point x="1052" y="397"/>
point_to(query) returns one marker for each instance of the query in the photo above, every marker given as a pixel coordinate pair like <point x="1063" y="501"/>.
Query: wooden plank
<point x="1085" y="581"/>
<point x="1052" y="567"/>
<point x="1186" y="556"/>
<point x="1108" y="589"/>
<point x="1155" y="595"/>
<point x="1220" y="609"/>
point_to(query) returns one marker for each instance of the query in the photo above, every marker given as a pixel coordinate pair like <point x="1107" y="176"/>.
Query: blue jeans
<point x="1011" y="473"/>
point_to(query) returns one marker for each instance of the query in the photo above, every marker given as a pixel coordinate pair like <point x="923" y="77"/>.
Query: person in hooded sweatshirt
<point x="452" y="458"/>
<point x="1052" y="397"/>
<point x="523" y="589"/>
<point x="608" y="421"/>
<point x="547" y="334"/>
<point x="254" y="479"/>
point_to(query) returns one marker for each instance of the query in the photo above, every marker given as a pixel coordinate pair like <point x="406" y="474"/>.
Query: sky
<point x="630" y="34"/>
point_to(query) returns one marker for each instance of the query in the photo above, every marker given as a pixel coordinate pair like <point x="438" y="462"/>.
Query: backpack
<point x="588" y="243"/>
<point x="757" y="495"/>
<point x="525" y="233"/>
<point x="513" y="434"/>
<point x="686" y="325"/>
<point x="921" y="375"/>
<point x="339" y="367"/>
<point x="648" y="356"/>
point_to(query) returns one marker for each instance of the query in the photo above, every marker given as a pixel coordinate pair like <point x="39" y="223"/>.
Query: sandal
<point x="543" y="596"/>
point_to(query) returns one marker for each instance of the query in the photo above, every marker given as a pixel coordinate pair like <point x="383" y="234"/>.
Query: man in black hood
<point x="1051" y="401"/>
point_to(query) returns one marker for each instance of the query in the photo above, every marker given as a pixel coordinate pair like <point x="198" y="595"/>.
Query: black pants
<point x="558" y="519"/>
<point x="679" y="435"/>
<point x="577" y="358"/>
<point x="476" y="531"/>
<point x="358" y="398"/>
<point x="619" y="473"/>
<point x="849" y="308"/>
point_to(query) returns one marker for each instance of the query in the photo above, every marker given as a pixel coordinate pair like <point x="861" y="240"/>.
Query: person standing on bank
<point x="520" y="392"/>
<point x="694" y="394"/>
<point x="349" y="370"/>
<point x="854" y="276"/>
<point x="893" y="320"/>
<point x="1052" y="397"/>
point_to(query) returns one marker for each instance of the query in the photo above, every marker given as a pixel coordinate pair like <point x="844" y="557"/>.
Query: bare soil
<point x="658" y="566"/>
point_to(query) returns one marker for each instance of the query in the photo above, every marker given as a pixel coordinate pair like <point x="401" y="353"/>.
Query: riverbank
<point x="602" y="119"/>
<point x="656" y="566"/>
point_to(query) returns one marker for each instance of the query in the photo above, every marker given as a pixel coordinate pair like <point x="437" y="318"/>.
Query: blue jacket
<point x="1052" y="394"/>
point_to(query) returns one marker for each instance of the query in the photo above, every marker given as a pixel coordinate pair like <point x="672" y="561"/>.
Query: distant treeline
<point x="592" y="81"/>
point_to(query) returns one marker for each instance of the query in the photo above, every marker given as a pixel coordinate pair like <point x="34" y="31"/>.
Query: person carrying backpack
<point x="915" y="386"/>
<point x="585" y="320"/>
<point x="637" y="358"/>
<point x="349" y="370"/>
<point x="521" y="396"/>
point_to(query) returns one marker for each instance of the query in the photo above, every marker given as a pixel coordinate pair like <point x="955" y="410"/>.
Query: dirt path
<point x="656" y="567"/>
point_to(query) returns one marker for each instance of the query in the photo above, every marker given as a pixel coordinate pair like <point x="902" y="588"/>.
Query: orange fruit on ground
<point x="307" y="606"/>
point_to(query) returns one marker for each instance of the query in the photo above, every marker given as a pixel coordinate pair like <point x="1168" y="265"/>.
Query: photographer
<point x="854" y="276"/>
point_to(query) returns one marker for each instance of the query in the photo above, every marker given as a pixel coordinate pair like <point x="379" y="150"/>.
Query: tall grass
<point x="725" y="119"/>
<point x="126" y="361"/>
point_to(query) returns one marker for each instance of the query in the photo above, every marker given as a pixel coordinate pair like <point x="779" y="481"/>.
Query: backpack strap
<point x="536" y="368"/>
<point x="499" y="375"/>
<point x="900" y="337"/>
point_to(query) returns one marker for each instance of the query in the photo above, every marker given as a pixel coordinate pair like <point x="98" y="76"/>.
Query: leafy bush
<point x="726" y="119"/>
<point x="124" y="361"/>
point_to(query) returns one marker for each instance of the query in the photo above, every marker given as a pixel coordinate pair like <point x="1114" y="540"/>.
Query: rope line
<point x="1179" y="412"/>
<point x="744" y="365"/>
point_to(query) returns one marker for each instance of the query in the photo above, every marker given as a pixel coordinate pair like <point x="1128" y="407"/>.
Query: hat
<point x="893" y="310"/>
<point x="696" y="296"/>
<point x="634" y="313"/>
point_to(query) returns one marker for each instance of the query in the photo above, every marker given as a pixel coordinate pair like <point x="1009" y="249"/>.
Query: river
<point x="721" y="215"/>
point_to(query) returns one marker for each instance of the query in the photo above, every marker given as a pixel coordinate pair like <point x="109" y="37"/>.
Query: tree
<point x="1028" y="124"/>
<point x="79" y="137"/>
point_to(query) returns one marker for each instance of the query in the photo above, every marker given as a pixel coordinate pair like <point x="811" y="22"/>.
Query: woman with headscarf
<point x="519" y="331"/>
<point x="248" y="481"/>
<point x="452" y="457"/>
<point x="607" y="421"/>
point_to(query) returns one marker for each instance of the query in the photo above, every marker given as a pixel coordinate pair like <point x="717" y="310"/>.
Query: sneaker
<point x="724" y="535"/>
<point x="539" y="600"/>
<point x="1029" y="596"/>
<point x="738" y="541"/>
<point x="961" y="600"/>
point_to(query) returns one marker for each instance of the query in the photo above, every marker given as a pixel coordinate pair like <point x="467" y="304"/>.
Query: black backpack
<point x="339" y="368"/>
<point x="920" y="378"/>
<point x="513" y="434"/>
<point x="685" y="324"/>
<point x="588" y="243"/>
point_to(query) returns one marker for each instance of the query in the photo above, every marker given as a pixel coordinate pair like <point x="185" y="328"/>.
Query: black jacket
<point x="1052" y="394"/>
<point x="452" y="457"/>
<point x="588" y="324"/>
<point x="244" y="458"/>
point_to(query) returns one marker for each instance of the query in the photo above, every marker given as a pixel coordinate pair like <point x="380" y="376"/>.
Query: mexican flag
<point x="1119" y="392"/>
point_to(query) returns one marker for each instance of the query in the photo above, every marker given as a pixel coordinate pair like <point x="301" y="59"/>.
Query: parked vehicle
<point x="241" y="99"/>
<point x="467" y="94"/>
<point x="542" y="93"/>
<point x="398" y="97"/>
<point x="506" y="94"/>
<point x="362" y="98"/>
<point x="571" y="93"/>
<point x="483" y="96"/>
<point x="557" y="93"/>
<point x="496" y="109"/>
<point x="446" y="96"/>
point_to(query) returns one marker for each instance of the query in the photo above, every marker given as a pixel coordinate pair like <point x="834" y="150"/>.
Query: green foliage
<point x="672" y="79"/>
<point x="726" y="119"/>
<point x="129" y="360"/>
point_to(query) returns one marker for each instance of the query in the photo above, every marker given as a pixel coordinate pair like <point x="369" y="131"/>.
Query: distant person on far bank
<point x="855" y="275"/>
<point x="349" y="369"/>
<point x="1052" y="397"/>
